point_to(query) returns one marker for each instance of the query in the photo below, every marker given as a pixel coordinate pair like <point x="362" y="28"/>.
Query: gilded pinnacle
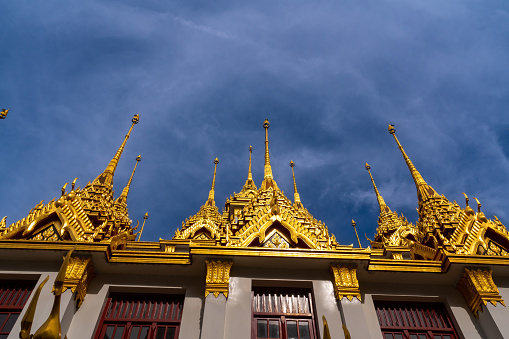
<point x="107" y="176"/>
<point x="423" y="189"/>
<point x="267" y="168"/>
<point x="355" y="229"/>
<point x="125" y="191"/>
<point x="379" y="198"/>
<point x="296" y="194"/>
<point x="210" y="201"/>
<point x="145" y="217"/>
<point x="249" y="175"/>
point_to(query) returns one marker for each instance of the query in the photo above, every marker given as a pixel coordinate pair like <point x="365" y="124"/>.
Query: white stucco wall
<point x="238" y="309"/>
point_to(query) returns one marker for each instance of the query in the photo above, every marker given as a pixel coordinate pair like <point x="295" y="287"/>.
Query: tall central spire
<point x="210" y="201"/>
<point x="267" y="169"/>
<point x="268" y="179"/>
<point x="423" y="189"/>
<point x="381" y="202"/>
<point x="106" y="178"/>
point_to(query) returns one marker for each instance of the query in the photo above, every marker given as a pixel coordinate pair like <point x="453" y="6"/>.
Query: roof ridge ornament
<point x="106" y="178"/>
<point x="423" y="189"/>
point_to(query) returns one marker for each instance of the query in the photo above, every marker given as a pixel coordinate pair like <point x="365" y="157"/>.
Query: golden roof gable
<point x="443" y="224"/>
<point x="90" y="214"/>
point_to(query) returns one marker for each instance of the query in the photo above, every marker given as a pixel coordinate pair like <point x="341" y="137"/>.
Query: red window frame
<point x="127" y="316"/>
<point x="13" y="297"/>
<point x="414" y="320"/>
<point x="286" y="308"/>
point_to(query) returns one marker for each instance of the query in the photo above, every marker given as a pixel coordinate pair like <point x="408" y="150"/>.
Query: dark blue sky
<point x="329" y="76"/>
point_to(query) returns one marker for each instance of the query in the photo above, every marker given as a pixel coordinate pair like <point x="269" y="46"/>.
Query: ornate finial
<point x="392" y="130"/>
<point x="51" y="327"/>
<point x="125" y="191"/>
<point x="381" y="203"/>
<point x="4" y="112"/>
<point x="267" y="168"/>
<point x="468" y="210"/>
<point x="355" y="229"/>
<point x="145" y="217"/>
<point x="28" y="318"/>
<point x="423" y="189"/>
<point x="63" y="188"/>
<point x="106" y="177"/>
<point x="295" y="193"/>
<point x="210" y="201"/>
<point x="466" y="198"/>
<point x="73" y="184"/>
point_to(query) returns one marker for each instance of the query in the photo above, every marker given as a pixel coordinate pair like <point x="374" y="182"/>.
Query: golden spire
<point x="423" y="189"/>
<point x="249" y="185"/>
<point x="125" y="191"/>
<point x="267" y="169"/>
<point x="145" y="217"/>
<point x="249" y="174"/>
<point x="381" y="203"/>
<point x="357" y="235"/>
<point x="268" y="180"/>
<point x="107" y="176"/>
<point x="210" y="201"/>
<point x="296" y="196"/>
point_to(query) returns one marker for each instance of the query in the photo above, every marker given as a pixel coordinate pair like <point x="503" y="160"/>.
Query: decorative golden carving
<point x="218" y="277"/>
<point x="477" y="287"/>
<point x="79" y="274"/>
<point x="276" y="241"/>
<point x="345" y="282"/>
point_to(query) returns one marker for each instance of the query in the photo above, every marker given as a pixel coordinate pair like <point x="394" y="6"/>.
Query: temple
<point x="261" y="267"/>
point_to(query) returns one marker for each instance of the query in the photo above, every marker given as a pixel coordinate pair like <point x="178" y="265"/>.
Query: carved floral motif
<point x="218" y="277"/>
<point x="477" y="287"/>
<point x="345" y="282"/>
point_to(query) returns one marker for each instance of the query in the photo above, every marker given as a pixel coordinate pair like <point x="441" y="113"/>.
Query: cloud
<point x="329" y="76"/>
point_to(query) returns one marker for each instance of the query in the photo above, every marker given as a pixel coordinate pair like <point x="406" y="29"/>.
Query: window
<point x="414" y="320"/>
<point x="282" y="314"/>
<point x="13" y="297"/>
<point x="141" y="316"/>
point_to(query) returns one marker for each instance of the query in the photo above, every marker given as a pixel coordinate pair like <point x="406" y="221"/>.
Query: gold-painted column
<point x="345" y="282"/>
<point x="477" y="287"/>
<point x="218" y="277"/>
<point x="78" y="276"/>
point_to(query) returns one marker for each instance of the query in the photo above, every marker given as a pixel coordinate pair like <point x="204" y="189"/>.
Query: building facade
<point x="264" y="267"/>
